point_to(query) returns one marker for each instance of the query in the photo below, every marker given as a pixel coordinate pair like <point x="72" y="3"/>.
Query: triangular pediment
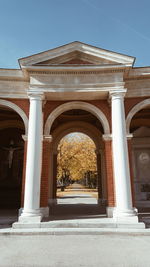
<point x="75" y="58"/>
<point x="77" y="53"/>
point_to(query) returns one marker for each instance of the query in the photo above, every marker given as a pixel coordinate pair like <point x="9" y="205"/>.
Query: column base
<point x="125" y="218"/>
<point x="125" y="213"/>
<point x="43" y="210"/>
<point x="113" y="212"/>
<point x="110" y="211"/>
<point x="33" y="216"/>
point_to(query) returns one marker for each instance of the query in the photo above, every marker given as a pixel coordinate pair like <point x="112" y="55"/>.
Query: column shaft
<point x="120" y="157"/>
<point x="34" y="159"/>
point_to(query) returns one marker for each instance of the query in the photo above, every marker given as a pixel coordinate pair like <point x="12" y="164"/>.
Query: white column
<point x="120" y="157"/>
<point x="31" y="211"/>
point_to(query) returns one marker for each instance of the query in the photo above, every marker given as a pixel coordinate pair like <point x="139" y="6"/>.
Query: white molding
<point x="134" y="110"/>
<point x="25" y="137"/>
<point x="47" y="138"/>
<point x="13" y="106"/>
<point x="76" y="105"/>
<point x="107" y="137"/>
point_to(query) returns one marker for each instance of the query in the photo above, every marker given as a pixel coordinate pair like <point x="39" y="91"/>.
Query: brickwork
<point x="22" y="103"/>
<point x="45" y="175"/>
<point x="131" y="170"/>
<point x="101" y="104"/>
<point x="109" y="174"/>
<point x="104" y="106"/>
<point x="106" y="109"/>
<point x="131" y="102"/>
<point x="24" y="173"/>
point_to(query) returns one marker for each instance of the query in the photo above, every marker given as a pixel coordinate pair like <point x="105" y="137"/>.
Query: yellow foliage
<point x="76" y="155"/>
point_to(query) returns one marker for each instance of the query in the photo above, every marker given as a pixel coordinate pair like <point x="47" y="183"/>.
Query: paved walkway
<point x="75" y="251"/>
<point x="77" y="194"/>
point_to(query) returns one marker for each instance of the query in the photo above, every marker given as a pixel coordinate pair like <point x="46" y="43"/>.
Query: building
<point x="101" y="94"/>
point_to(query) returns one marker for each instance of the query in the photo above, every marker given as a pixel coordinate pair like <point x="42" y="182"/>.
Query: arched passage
<point x="14" y="107"/>
<point x="13" y="124"/>
<point x="77" y="174"/>
<point x="138" y="123"/>
<point x="134" y="110"/>
<point x="76" y="120"/>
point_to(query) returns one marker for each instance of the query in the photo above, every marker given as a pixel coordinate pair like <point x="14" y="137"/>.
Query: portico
<point x="84" y="78"/>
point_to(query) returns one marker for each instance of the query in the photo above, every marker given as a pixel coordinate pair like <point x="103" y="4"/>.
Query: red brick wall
<point x="22" y="103"/>
<point x="106" y="109"/>
<point x="45" y="174"/>
<point x="101" y="104"/>
<point x="131" y="102"/>
<point x="109" y="174"/>
<point x="24" y="173"/>
<point x="131" y="170"/>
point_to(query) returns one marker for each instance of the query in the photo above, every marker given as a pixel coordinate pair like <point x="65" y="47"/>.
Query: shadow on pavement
<point x="8" y="217"/>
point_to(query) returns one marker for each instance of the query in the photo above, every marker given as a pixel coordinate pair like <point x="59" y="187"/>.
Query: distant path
<point x="77" y="194"/>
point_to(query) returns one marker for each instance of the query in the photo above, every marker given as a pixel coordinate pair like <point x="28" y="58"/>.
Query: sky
<point x="32" y="26"/>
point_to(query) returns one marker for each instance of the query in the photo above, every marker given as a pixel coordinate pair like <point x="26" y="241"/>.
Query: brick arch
<point x="77" y="105"/>
<point x="78" y="126"/>
<point x="134" y="110"/>
<point x="94" y="134"/>
<point x="14" y="107"/>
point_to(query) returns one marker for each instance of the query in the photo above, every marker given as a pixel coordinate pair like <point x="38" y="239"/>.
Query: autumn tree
<point x="76" y="157"/>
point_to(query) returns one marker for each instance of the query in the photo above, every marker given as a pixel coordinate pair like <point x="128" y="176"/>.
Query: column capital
<point x="36" y="96"/>
<point x="47" y="138"/>
<point x="116" y="94"/>
<point x="24" y="137"/>
<point x="107" y="137"/>
<point x="129" y="136"/>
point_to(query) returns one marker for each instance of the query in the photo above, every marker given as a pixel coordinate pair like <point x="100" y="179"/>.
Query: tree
<point x="76" y="157"/>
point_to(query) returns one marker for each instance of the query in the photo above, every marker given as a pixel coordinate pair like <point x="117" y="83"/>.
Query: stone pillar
<point x="109" y="175"/>
<point x="31" y="210"/>
<point x="124" y="207"/>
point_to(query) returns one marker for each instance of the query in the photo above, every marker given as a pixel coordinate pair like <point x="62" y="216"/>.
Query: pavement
<point x="77" y="194"/>
<point x="80" y="244"/>
<point x="75" y="251"/>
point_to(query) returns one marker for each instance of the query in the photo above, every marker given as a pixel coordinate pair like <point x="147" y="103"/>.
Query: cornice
<point x="137" y="78"/>
<point x="75" y="72"/>
<point x="13" y="79"/>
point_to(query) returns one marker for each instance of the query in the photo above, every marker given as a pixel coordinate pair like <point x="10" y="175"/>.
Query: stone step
<point x="91" y="224"/>
<point x="75" y="231"/>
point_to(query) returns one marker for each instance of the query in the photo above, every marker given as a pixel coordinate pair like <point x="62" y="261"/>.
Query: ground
<point x="106" y="249"/>
<point x="77" y="194"/>
<point x="75" y="251"/>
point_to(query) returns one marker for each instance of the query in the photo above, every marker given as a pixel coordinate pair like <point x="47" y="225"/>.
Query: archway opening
<point x="77" y="175"/>
<point x="11" y="158"/>
<point x="82" y="122"/>
<point x="140" y="128"/>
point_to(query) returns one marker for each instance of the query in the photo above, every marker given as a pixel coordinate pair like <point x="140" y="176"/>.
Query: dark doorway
<point x="11" y="166"/>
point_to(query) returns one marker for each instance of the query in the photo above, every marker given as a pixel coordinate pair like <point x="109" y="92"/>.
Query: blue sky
<point x="31" y="26"/>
